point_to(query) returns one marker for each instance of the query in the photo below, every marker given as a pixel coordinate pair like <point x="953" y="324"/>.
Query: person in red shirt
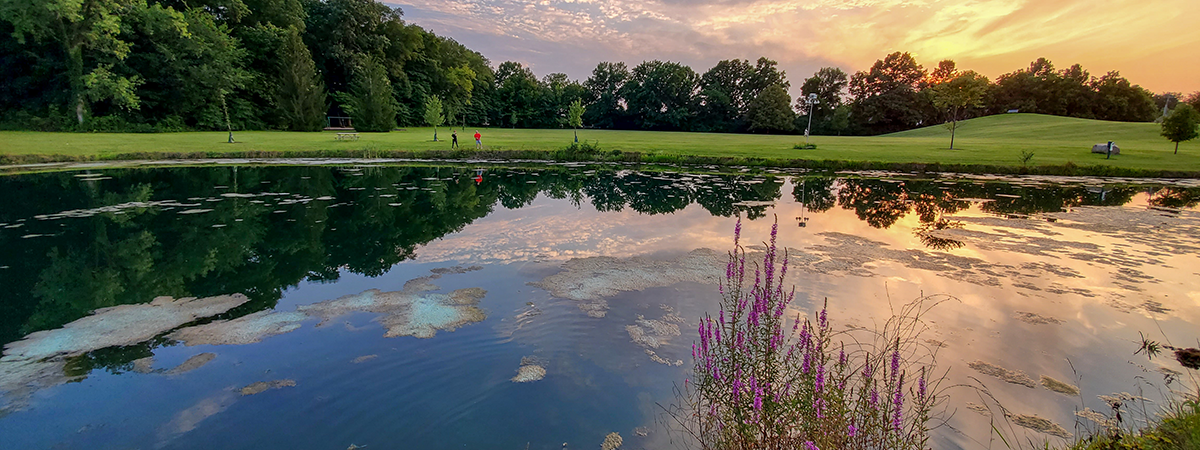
<point x="478" y="139"/>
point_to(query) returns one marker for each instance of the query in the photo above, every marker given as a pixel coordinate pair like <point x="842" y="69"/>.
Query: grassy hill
<point x="990" y="141"/>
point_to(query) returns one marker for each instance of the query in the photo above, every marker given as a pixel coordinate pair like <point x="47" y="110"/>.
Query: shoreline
<point x="14" y="164"/>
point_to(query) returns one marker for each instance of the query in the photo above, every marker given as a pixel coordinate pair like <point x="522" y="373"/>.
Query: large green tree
<point x="660" y="94"/>
<point x="828" y="83"/>
<point x="771" y="110"/>
<point x="301" y="98"/>
<point x="1181" y="125"/>
<point x="88" y="33"/>
<point x="604" y="88"/>
<point x="886" y="97"/>
<point x="369" y="101"/>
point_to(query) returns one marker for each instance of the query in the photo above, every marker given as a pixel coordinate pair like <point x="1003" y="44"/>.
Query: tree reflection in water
<point x="197" y="232"/>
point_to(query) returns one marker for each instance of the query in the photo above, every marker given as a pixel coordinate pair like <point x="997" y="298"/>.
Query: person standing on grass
<point x="478" y="139"/>
<point x="453" y="139"/>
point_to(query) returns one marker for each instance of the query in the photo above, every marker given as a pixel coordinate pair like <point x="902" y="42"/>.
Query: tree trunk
<point x="75" y="72"/>
<point x="953" y="126"/>
<point x="1176" y="148"/>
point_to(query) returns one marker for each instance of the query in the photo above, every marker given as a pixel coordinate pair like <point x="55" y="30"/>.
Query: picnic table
<point x="346" y="136"/>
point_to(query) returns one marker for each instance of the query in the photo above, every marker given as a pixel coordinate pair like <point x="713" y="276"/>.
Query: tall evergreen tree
<point x="370" y="102"/>
<point x="301" y="98"/>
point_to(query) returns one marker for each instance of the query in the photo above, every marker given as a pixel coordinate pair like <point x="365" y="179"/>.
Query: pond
<point x="320" y="306"/>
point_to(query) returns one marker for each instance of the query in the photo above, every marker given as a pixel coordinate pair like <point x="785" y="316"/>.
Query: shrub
<point x="756" y="385"/>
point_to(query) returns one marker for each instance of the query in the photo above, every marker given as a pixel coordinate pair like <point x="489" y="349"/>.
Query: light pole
<point x="812" y="102"/>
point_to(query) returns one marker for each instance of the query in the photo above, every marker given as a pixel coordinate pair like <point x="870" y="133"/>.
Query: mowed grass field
<point x="993" y="140"/>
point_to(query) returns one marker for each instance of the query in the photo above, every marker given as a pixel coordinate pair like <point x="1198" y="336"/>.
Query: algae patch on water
<point x="405" y="313"/>
<point x="650" y="334"/>
<point x="1059" y="386"/>
<point x="118" y="326"/>
<point x="529" y="371"/>
<point x="1011" y="376"/>
<point x="263" y="386"/>
<point x="412" y="311"/>
<point x="243" y="330"/>
<point x="590" y="280"/>
<point x="1041" y="425"/>
<point x="39" y="360"/>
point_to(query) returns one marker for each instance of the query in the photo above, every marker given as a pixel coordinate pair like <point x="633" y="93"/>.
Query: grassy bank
<point x="986" y="145"/>
<point x="1179" y="429"/>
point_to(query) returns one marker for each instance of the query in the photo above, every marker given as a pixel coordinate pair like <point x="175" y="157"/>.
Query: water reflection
<point x="74" y="243"/>
<point x="77" y="243"/>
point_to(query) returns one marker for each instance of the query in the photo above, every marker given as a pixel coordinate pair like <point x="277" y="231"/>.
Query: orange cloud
<point x="1152" y="42"/>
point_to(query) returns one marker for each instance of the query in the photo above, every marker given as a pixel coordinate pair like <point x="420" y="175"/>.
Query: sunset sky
<point x="1154" y="43"/>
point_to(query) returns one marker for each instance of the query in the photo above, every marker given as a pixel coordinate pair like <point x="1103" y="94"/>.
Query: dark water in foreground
<point x="1051" y="280"/>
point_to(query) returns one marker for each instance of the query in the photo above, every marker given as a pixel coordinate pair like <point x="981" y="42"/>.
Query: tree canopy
<point x="172" y="65"/>
<point x="1183" y="124"/>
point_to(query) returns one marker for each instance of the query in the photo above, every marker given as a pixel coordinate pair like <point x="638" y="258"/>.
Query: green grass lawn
<point x="994" y="140"/>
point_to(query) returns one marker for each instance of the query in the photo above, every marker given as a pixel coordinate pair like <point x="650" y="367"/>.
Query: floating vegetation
<point x="406" y="313"/>
<point x="117" y="326"/>
<point x="651" y="334"/>
<point x="243" y="330"/>
<point x="1035" y="319"/>
<point x="409" y="312"/>
<point x="263" y="386"/>
<point x="980" y="409"/>
<point x="193" y="363"/>
<point x="641" y="431"/>
<point x="1011" y="376"/>
<point x="144" y="365"/>
<point x="1041" y="425"/>
<point x="364" y="358"/>
<point x="611" y="442"/>
<point x="1059" y="386"/>
<point x="590" y="280"/>
<point x="529" y="371"/>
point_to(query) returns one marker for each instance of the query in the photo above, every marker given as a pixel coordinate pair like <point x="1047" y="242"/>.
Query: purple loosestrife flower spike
<point x="737" y="232"/>
<point x="851" y="431"/>
<point x="809" y="445"/>
<point x="820" y="379"/>
<point x="895" y="365"/>
<point x="898" y="404"/>
<point x="823" y="319"/>
<point x="874" y="398"/>
<point x="921" y="387"/>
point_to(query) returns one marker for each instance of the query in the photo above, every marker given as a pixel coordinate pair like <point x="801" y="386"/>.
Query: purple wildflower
<point x="851" y="431"/>
<point x="874" y="398"/>
<point x="898" y="404"/>
<point x="895" y="365"/>
<point x="737" y="232"/>
<point x="809" y="445"/>
<point x="921" y="387"/>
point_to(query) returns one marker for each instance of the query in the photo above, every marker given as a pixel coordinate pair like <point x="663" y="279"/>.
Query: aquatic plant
<point x="759" y="384"/>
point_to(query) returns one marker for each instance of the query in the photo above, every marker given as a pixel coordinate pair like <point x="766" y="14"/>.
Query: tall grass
<point x="761" y="384"/>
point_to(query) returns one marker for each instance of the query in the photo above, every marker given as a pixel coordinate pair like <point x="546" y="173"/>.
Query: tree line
<point x="165" y="65"/>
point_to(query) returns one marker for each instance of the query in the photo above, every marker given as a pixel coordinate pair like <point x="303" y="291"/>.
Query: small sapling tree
<point x="1181" y="125"/>
<point x="965" y="90"/>
<point x="433" y="113"/>
<point x="575" y="116"/>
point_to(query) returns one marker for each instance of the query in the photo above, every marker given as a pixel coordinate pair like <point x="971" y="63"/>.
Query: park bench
<point x="346" y="136"/>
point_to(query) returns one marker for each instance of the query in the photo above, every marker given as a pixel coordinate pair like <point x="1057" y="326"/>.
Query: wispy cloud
<point x="991" y="36"/>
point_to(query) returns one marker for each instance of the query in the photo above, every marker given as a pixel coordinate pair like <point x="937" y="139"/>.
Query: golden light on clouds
<point x="1152" y="42"/>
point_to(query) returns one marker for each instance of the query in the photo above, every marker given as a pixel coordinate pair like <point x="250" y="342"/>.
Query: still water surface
<point x="393" y="307"/>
